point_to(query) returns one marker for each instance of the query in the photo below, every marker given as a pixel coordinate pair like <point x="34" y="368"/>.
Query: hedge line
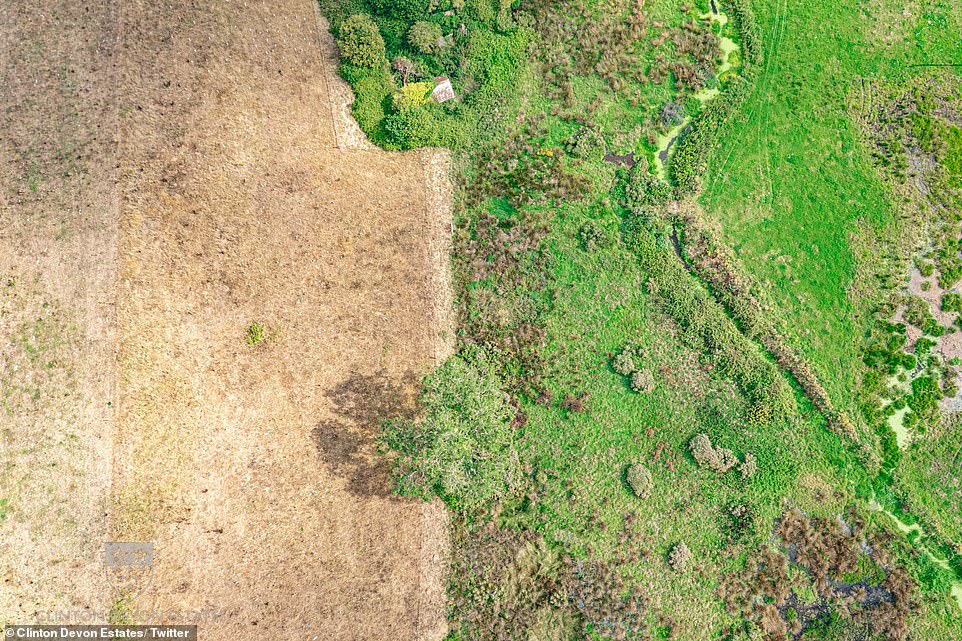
<point x="695" y="145"/>
<point x="707" y="326"/>
<point x="714" y="263"/>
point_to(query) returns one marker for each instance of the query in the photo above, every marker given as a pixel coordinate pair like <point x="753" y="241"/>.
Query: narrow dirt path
<point x="237" y="191"/>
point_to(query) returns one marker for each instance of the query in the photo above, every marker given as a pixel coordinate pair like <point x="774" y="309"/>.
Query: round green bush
<point x="360" y="42"/>
<point x="424" y="36"/>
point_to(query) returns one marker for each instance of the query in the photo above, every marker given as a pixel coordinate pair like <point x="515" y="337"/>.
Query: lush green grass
<point x="789" y="184"/>
<point x="601" y="305"/>
<point x="791" y="180"/>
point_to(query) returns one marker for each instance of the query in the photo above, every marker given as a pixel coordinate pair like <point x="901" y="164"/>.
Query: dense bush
<point x="640" y="480"/>
<point x="424" y="36"/>
<point x="411" y="127"/>
<point x="645" y="190"/>
<point x="360" y="42"/>
<point x="464" y="447"/>
<point x="406" y="10"/>
<point x="587" y="143"/>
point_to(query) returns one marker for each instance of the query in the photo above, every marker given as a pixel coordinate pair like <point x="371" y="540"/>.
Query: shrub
<point x="718" y="459"/>
<point x="524" y="169"/>
<point x="701" y="449"/>
<point x="463" y="449"/>
<point x="424" y="36"/>
<point x="593" y="236"/>
<point x="916" y="311"/>
<point x="411" y="127"/>
<point x="407" y="10"/>
<point x="645" y="190"/>
<point x="742" y="519"/>
<point x="698" y="142"/>
<point x="360" y="42"/>
<point x="951" y="302"/>
<point x="679" y="556"/>
<point x="672" y="115"/>
<point x="623" y="363"/>
<point x="587" y="143"/>
<point x="256" y="334"/>
<point x="412" y="96"/>
<point x="640" y="481"/>
<point x="404" y="68"/>
<point x="726" y="460"/>
<point x="626" y="361"/>
<point x="642" y="381"/>
<point x="748" y="467"/>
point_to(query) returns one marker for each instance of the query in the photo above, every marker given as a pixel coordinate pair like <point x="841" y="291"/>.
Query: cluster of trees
<point x="414" y="41"/>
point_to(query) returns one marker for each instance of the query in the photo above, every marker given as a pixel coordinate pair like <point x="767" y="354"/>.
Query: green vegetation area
<point x="644" y="434"/>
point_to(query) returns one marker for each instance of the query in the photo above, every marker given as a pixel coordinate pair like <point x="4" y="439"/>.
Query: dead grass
<point x="238" y="199"/>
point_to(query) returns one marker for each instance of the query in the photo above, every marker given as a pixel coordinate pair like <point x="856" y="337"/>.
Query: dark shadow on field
<point x="347" y="443"/>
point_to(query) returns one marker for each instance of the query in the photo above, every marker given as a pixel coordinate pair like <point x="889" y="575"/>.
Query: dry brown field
<point x="172" y="173"/>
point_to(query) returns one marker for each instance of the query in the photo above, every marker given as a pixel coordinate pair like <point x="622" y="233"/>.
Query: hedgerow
<point x="707" y="326"/>
<point x="699" y="139"/>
